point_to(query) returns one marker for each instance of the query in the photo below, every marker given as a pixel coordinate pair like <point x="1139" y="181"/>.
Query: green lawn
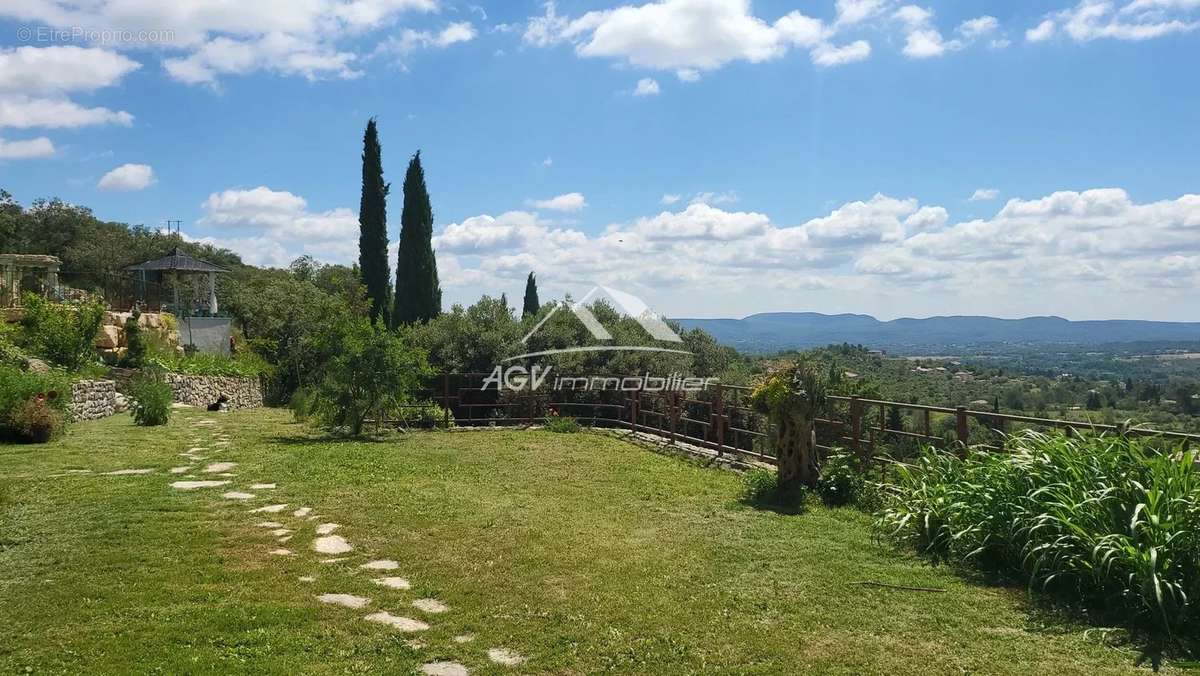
<point x="580" y="552"/>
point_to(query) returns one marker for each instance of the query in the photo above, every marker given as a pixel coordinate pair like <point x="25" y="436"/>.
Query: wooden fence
<point x="721" y="419"/>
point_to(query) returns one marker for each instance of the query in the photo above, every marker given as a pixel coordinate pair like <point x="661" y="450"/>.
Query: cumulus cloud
<point x="128" y="177"/>
<point x="26" y="149"/>
<point x="670" y="198"/>
<point x="984" y="194"/>
<point x="1041" y="32"/>
<point x="826" y="54"/>
<point x="646" y="86"/>
<point x="1134" y="21"/>
<point x="410" y="40"/>
<point x="211" y="38"/>
<point x="572" y="201"/>
<point x="35" y="84"/>
<point x="281" y="226"/>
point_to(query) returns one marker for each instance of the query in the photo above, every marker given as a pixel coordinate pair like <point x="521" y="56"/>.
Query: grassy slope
<point x="580" y="551"/>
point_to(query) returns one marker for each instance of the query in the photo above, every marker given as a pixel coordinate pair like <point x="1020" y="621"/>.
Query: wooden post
<point x="928" y="427"/>
<point x="446" y="400"/>
<point x="673" y="404"/>
<point x="961" y="427"/>
<point x="856" y="427"/>
<point x="719" y="419"/>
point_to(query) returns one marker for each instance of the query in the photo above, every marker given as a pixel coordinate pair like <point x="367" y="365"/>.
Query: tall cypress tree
<point x="372" y="227"/>
<point x="418" y="294"/>
<point x="531" y="298"/>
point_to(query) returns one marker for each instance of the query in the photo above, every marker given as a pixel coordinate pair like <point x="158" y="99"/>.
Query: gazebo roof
<point x="176" y="261"/>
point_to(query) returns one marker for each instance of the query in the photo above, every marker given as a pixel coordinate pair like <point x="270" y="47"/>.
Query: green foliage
<point x="531" y="305"/>
<point x="36" y="420"/>
<point x="1110" y="522"/>
<point x="241" y="365"/>
<point x="798" y="390"/>
<point x="426" y="415"/>
<point x="372" y="373"/>
<point x="372" y="225"/>
<point x="563" y="424"/>
<point x="418" y="293"/>
<point x="761" y="489"/>
<point x="10" y="354"/>
<point x="137" y="343"/>
<point x="65" y="334"/>
<point x="152" y="399"/>
<point x="841" y="481"/>
<point x="301" y="404"/>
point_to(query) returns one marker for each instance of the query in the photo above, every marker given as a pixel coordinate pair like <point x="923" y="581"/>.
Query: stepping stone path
<point x="505" y="656"/>
<point x="396" y="622"/>
<point x="331" y="544"/>
<point x="444" y="669"/>
<point x="392" y="582"/>
<point x="347" y="600"/>
<point x="192" y="485"/>
<point x="325" y="542"/>
<point x="430" y="605"/>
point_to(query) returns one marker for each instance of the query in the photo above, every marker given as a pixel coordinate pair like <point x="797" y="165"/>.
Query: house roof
<point x="177" y="261"/>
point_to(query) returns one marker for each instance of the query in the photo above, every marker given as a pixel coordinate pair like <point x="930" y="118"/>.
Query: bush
<point x="761" y="488"/>
<point x="64" y="334"/>
<point x="36" y="421"/>
<point x="427" y="415"/>
<point x="563" y="424"/>
<point x="244" y="365"/>
<point x="1109" y="522"/>
<point x="301" y="404"/>
<point x="151" y="405"/>
<point x="18" y="387"/>
<point x="137" y="345"/>
<point x="372" y="372"/>
<point x="841" y="482"/>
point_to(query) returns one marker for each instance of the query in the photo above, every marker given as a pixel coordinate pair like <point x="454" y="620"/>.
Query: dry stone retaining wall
<point x="93" y="399"/>
<point x="201" y="391"/>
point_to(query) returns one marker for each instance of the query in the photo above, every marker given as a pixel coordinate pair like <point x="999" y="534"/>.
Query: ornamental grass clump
<point x="1109" y="523"/>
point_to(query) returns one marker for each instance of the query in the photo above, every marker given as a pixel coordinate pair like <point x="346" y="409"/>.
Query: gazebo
<point x="35" y="270"/>
<point x="176" y="265"/>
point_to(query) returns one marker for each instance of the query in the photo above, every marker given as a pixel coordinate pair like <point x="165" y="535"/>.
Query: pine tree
<point x="372" y="227"/>
<point x="531" y="297"/>
<point x="418" y="294"/>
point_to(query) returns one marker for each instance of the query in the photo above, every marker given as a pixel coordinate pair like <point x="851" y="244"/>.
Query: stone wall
<point x="93" y="399"/>
<point x="200" y="391"/>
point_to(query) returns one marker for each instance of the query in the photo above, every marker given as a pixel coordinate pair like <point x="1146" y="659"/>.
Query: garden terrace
<point x="555" y="553"/>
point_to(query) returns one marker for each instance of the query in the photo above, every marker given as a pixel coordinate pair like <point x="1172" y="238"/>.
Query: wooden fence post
<point x="719" y="419"/>
<point x="961" y="427"/>
<point x="673" y="410"/>
<point x="446" y="400"/>
<point x="856" y="427"/>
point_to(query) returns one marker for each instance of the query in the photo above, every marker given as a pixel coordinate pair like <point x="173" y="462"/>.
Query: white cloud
<point x="61" y="69"/>
<point x="646" y="87"/>
<point x="684" y="36"/>
<point x="927" y="218"/>
<point x="211" y="38"/>
<point x="701" y="221"/>
<point x="1042" y="32"/>
<point x="411" y="40"/>
<point x="572" y="201"/>
<point x="281" y="215"/>
<point x="128" y="177"/>
<point x="1135" y="21"/>
<point x="856" y="11"/>
<point x="922" y="39"/>
<point x="829" y="55"/>
<point x="26" y="149"/>
<point x="984" y="194"/>
<point x="973" y="28"/>
<point x="23" y="112"/>
<point x="715" y="198"/>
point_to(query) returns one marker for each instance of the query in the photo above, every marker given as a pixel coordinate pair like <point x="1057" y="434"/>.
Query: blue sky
<point x="715" y="157"/>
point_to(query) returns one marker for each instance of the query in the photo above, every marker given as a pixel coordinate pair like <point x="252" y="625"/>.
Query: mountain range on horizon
<point x="775" y="331"/>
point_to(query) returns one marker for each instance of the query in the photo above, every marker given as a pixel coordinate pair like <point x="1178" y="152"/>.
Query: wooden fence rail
<point x="720" y="418"/>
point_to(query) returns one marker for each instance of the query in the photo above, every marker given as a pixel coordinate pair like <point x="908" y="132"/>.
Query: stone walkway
<point x="211" y="444"/>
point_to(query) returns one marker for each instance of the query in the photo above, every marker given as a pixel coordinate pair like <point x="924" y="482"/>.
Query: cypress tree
<point x="372" y="227"/>
<point x="418" y="294"/>
<point x="531" y="298"/>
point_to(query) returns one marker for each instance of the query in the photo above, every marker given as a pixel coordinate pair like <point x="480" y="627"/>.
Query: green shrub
<point x="36" y="421"/>
<point x="62" y="333"/>
<point x="1111" y="523"/>
<point x="152" y="400"/>
<point x="17" y="387"/>
<point x="137" y="345"/>
<point x="426" y="415"/>
<point x="301" y="404"/>
<point x="841" y="482"/>
<point x="563" y="424"/>
<point x="761" y="489"/>
<point x="244" y="365"/>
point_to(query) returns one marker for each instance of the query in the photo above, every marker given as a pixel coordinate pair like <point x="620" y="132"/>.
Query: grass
<point x="582" y="552"/>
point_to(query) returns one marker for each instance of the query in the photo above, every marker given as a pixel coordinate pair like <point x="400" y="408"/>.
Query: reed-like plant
<point x="1109" y="522"/>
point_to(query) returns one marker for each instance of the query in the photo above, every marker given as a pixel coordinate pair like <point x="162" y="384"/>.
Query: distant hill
<point x="773" y="331"/>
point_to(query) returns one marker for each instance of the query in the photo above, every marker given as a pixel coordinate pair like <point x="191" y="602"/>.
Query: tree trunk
<point x="795" y="453"/>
